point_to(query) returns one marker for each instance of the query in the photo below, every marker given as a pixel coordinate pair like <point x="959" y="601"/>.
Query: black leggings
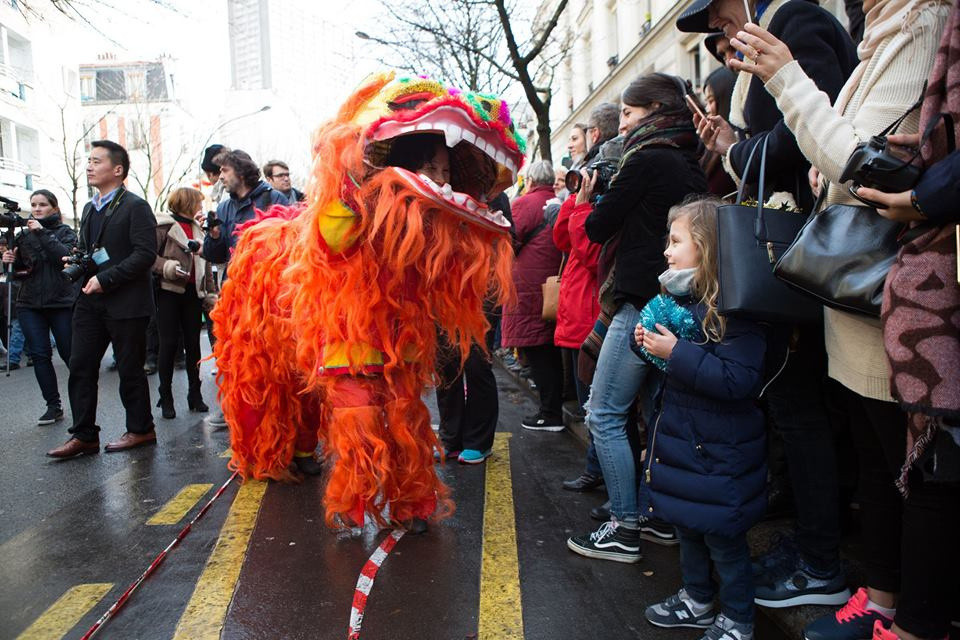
<point x="179" y="313"/>
<point x="910" y="546"/>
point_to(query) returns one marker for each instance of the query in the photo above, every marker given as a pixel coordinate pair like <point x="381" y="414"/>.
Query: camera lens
<point x="572" y="181"/>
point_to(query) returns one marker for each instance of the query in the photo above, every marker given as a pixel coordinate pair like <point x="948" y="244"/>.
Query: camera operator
<point x="117" y="248"/>
<point x="46" y="298"/>
<point x="241" y="177"/>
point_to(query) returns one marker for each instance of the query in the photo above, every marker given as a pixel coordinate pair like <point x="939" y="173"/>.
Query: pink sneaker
<point x="880" y="632"/>
<point x="853" y="621"/>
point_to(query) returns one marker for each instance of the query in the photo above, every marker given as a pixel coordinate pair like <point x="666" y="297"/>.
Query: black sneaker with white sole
<point x="542" y="422"/>
<point x="612" y="541"/>
<point x="658" y="532"/>
<point x="51" y="415"/>
<point x="680" y="610"/>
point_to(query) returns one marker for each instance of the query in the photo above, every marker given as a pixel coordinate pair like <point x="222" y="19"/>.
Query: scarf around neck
<point x="677" y="282"/>
<point x="921" y="297"/>
<point x="673" y="128"/>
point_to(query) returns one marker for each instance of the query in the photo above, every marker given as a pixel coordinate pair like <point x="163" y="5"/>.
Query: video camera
<point x="9" y="217"/>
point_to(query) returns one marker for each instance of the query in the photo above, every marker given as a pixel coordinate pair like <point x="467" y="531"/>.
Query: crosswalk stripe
<point x="207" y="609"/>
<point x="66" y="612"/>
<point x="180" y="504"/>
<point x="501" y="615"/>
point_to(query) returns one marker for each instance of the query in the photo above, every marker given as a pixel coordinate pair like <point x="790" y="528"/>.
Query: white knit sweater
<point x="893" y="81"/>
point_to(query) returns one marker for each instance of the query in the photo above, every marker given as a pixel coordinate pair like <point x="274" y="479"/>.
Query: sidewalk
<point x="789" y="622"/>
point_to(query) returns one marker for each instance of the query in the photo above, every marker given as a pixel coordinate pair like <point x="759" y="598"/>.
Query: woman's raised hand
<point x="765" y="54"/>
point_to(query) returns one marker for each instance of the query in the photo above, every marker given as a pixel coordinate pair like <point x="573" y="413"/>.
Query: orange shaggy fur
<point x="412" y="270"/>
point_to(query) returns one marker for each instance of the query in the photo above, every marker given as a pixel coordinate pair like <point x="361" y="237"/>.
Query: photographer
<point x="578" y="306"/>
<point x="46" y="298"/>
<point x="186" y="285"/>
<point x="118" y="245"/>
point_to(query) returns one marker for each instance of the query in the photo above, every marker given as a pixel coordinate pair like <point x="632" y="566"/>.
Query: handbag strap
<point x="759" y="223"/>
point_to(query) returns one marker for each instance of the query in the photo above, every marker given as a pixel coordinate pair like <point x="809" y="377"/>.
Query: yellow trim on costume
<point x="336" y="223"/>
<point x="335" y="356"/>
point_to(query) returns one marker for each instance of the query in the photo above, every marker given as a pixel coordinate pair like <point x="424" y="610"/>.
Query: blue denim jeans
<point x="37" y="325"/>
<point x="618" y="379"/>
<point x="731" y="557"/>
<point x="17" y="341"/>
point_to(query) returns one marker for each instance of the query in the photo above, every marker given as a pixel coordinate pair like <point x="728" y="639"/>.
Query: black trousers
<point x="179" y="315"/>
<point x="93" y="331"/>
<point x="468" y="415"/>
<point x="546" y="366"/>
<point x="910" y="546"/>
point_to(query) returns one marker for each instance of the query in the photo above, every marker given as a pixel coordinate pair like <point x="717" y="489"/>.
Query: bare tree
<point x="73" y="148"/>
<point x="479" y="45"/>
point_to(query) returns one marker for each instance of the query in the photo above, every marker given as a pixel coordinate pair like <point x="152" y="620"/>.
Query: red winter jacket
<point x="579" y="308"/>
<point x="539" y="259"/>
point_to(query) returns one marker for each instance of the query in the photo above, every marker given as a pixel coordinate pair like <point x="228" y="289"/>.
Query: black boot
<point x="195" y="399"/>
<point x="166" y="403"/>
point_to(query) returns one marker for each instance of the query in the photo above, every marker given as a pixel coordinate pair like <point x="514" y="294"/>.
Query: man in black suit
<point x="118" y="231"/>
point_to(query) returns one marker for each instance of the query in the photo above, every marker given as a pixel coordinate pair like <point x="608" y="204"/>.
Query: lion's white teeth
<point x="446" y="190"/>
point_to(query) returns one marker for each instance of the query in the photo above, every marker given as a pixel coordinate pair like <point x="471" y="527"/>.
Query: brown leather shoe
<point x="132" y="441"/>
<point x="74" y="447"/>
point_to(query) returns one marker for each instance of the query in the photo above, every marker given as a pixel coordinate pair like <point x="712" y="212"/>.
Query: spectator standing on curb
<point x="523" y="325"/>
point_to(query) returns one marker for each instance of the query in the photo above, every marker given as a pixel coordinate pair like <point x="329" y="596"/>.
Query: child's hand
<point x="659" y="344"/>
<point x="638" y="334"/>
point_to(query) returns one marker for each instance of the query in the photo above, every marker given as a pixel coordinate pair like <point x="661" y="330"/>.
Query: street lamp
<point x="206" y="142"/>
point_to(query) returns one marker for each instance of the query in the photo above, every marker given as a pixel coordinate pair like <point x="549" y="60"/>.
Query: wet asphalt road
<point x="83" y="521"/>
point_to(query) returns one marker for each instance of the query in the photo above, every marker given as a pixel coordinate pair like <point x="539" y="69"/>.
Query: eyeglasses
<point x="280" y="175"/>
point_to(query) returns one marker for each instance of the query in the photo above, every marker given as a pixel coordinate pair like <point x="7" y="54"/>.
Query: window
<point x="156" y="82"/>
<point x="110" y="85"/>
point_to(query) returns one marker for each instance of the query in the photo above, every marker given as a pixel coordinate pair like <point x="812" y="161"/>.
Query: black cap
<point x="207" y="164"/>
<point x="696" y="18"/>
<point x="710" y="42"/>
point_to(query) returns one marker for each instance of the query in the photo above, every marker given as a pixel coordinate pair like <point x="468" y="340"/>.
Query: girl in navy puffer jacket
<point x="705" y="467"/>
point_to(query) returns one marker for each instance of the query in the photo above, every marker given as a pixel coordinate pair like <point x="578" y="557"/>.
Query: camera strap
<point x="107" y="216"/>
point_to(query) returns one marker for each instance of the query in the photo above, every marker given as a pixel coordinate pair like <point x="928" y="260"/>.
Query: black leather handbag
<point x="750" y="240"/>
<point x="841" y="257"/>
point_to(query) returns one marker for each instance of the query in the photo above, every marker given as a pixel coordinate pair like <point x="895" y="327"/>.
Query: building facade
<point x="613" y="42"/>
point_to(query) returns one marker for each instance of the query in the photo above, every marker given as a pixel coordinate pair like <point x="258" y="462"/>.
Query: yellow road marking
<point x="180" y="504"/>
<point x="501" y="615"/>
<point x="227" y="454"/>
<point x="66" y="612"/>
<point x="205" y="613"/>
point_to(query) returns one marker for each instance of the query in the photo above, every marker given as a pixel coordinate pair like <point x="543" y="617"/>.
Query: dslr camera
<point x="211" y="222"/>
<point x="78" y="264"/>
<point x="606" y="164"/>
<point x="872" y="164"/>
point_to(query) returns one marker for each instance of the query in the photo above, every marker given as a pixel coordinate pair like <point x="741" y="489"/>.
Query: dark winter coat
<point x="938" y="191"/>
<point x="233" y="213"/>
<point x="128" y="234"/>
<point x="40" y="260"/>
<point x="828" y="56"/>
<point x="706" y="457"/>
<point x="579" y="306"/>
<point x="538" y="259"/>
<point x="650" y="182"/>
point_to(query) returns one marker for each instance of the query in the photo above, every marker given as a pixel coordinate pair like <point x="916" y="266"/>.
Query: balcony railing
<point x="15" y="173"/>
<point x="11" y="83"/>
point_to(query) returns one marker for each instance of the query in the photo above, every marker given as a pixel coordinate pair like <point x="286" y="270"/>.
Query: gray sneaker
<point x="726" y="629"/>
<point x="678" y="611"/>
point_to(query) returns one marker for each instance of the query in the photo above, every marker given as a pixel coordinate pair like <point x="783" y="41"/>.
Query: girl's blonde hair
<point x="701" y="215"/>
<point x="185" y="202"/>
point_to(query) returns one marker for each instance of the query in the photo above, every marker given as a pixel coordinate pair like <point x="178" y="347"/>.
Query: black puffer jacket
<point x="40" y="265"/>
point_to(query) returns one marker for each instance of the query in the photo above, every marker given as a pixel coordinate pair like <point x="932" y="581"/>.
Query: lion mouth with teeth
<point x="483" y="150"/>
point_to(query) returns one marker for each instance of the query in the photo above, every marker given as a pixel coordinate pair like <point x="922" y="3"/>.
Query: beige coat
<point x="173" y="253"/>
<point x="891" y="83"/>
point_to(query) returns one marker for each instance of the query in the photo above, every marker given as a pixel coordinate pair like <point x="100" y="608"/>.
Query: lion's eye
<point x="410" y="101"/>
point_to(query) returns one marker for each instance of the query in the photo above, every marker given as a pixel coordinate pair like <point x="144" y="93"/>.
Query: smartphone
<point x="694" y="107"/>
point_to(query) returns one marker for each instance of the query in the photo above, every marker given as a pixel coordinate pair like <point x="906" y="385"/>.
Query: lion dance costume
<point x="327" y="327"/>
